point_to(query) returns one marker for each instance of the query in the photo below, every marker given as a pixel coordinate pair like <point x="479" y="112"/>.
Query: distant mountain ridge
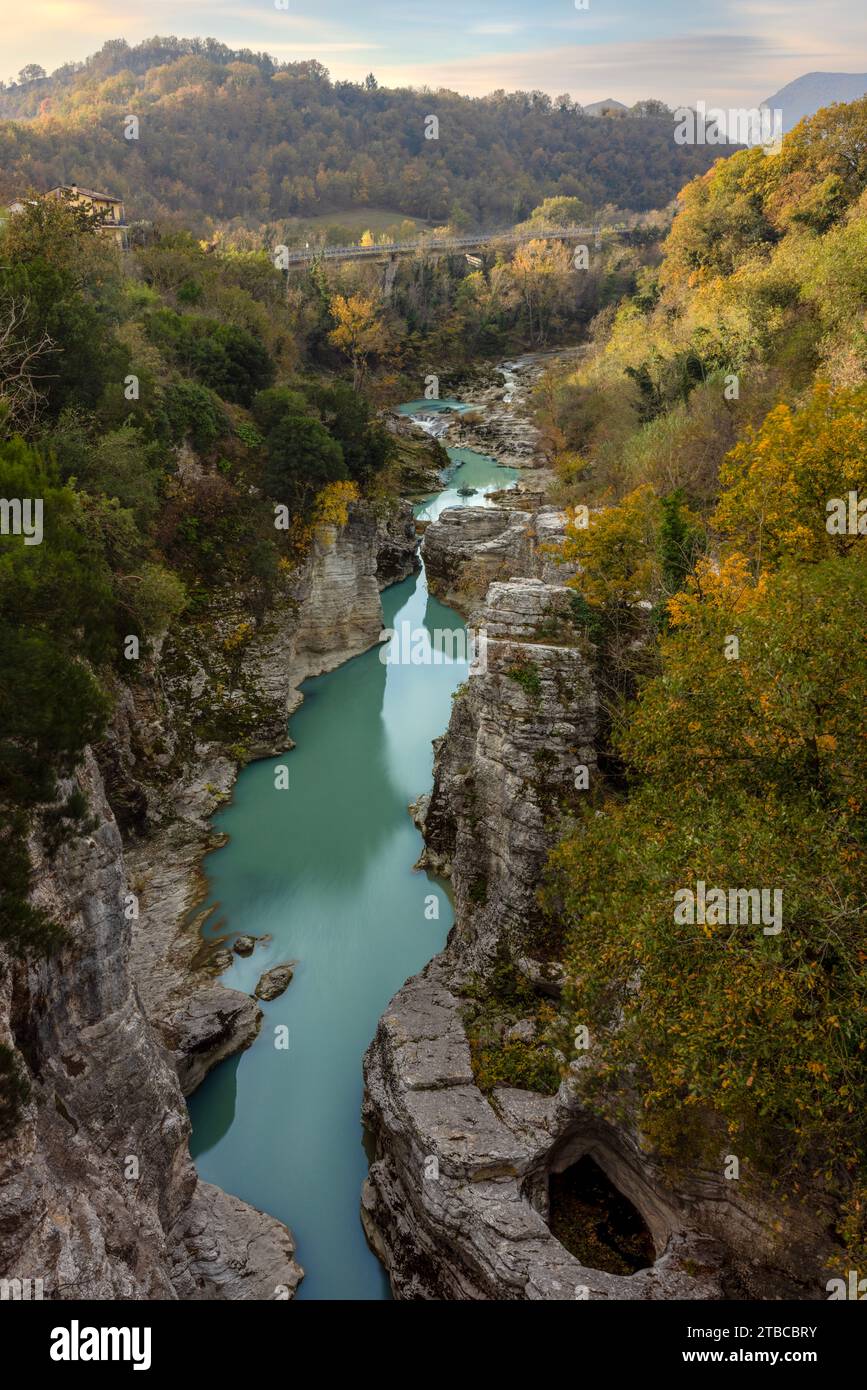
<point x="808" y="94"/>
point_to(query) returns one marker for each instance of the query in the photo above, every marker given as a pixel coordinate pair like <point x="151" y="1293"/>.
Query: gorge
<point x="465" y="1188"/>
<point x="325" y="869"/>
<point x="364" y="766"/>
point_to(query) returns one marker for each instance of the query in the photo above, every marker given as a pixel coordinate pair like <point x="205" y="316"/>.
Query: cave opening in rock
<point x="595" y="1222"/>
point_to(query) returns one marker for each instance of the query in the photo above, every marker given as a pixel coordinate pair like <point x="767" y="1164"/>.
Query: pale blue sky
<point x="732" y="52"/>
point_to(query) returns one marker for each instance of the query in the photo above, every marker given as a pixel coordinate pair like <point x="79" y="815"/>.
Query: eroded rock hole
<point x="595" y="1222"/>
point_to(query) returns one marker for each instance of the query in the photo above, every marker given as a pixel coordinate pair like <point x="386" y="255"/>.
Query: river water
<point x="325" y="868"/>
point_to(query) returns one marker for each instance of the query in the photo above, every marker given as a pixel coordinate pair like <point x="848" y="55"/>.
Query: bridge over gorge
<point x="424" y="243"/>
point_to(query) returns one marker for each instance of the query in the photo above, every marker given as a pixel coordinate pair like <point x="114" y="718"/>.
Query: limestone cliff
<point x="505" y="771"/>
<point x="421" y="459"/>
<point x="98" y="1195"/>
<point x="455" y="1203"/>
<point x="457" y="1200"/>
<point x="468" y="548"/>
<point x="181" y="736"/>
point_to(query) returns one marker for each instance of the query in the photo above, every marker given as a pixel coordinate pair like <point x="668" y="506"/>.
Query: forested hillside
<point x="234" y="138"/>
<point x="157" y="437"/>
<point x="165" y="403"/>
<point x="159" y="403"/>
<point x="722" y="416"/>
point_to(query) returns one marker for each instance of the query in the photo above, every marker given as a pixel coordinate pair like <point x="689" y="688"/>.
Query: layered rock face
<point x="339" y="609"/>
<point x="98" y="1195"/>
<point x="506" y="768"/>
<point x="332" y="612"/>
<point x="501" y="422"/>
<point x="456" y="1203"/>
<point x="396" y="546"/>
<point x="468" y="548"/>
<point x="511" y="437"/>
<point x="421" y="458"/>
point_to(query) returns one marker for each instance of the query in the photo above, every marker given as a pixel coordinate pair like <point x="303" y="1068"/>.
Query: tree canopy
<point x="233" y="135"/>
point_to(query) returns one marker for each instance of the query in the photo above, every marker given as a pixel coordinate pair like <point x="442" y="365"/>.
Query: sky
<point x="727" y="52"/>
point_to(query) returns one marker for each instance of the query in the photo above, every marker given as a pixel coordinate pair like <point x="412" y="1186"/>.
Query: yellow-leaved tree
<point x="332" y="503"/>
<point x="786" y="486"/>
<point x="359" y="331"/>
<point x="743" y="771"/>
<point x="541" y="271"/>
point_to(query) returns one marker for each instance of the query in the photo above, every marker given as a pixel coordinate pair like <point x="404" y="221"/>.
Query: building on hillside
<point x="109" y="210"/>
<point x="610" y="107"/>
<point x="13" y="208"/>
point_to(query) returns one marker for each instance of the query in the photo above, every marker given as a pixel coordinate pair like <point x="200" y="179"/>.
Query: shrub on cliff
<point x="302" y="459"/>
<point x="56" y="621"/>
<point x="744" y="771"/>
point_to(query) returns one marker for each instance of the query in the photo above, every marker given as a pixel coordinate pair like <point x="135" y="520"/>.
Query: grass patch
<point x="526" y="674"/>
<point x="493" y="1006"/>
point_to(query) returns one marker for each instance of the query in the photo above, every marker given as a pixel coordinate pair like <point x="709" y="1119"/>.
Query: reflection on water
<point x="471" y="470"/>
<point x="325" y="869"/>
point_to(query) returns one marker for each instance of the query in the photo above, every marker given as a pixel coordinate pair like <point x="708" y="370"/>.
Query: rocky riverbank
<point x="98" y="1195"/>
<point x="329" y="612"/>
<point x="459" y="1200"/>
<point x="500" y="423"/>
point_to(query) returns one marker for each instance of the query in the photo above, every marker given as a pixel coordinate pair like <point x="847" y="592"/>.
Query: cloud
<point x="722" y="68"/>
<point x="312" y="49"/>
<point x="731" y="52"/>
<point x="495" y="28"/>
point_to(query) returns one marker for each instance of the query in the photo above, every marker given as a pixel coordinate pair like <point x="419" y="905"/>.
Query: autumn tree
<point x="358" y="333"/>
<point x="744" y="772"/>
<point x="541" y="271"/>
<point x="742" y="766"/>
<point x="781" y="478"/>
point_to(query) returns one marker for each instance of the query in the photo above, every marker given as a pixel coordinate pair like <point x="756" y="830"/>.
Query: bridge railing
<point x="432" y="243"/>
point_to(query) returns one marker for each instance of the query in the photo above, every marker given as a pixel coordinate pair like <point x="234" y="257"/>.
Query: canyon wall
<point x="330" y="611"/>
<point x="456" y="1204"/>
<point x="98" y="1195"/>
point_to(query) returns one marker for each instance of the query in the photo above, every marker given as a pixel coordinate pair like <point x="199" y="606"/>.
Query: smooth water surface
<point x="325" y="868"/>
<point x="423" y="407"/>
<point x="471" y="470"/>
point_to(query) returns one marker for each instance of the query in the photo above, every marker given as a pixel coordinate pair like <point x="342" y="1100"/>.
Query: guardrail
<point x="433" y="243"/>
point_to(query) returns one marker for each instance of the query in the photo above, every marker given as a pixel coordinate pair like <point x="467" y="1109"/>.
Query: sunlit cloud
<point x="736" y="51"/>
<point x="727" y="69"/>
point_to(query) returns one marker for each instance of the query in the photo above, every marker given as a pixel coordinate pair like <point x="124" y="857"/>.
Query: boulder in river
<point x="244" y="946"/>
<point x="274" y="981"/>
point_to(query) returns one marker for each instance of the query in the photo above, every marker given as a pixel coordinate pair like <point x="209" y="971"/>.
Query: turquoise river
<point x="325" y="868"/>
